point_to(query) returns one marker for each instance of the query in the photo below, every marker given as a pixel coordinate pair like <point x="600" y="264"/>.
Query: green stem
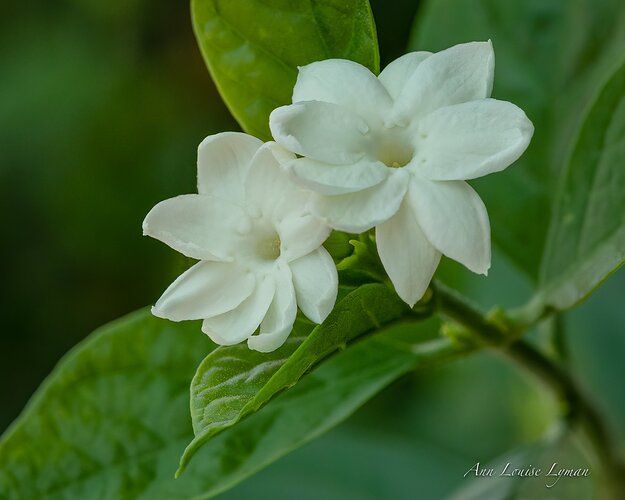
<point x="504" y="337"/>
<point x="558" y="338"/>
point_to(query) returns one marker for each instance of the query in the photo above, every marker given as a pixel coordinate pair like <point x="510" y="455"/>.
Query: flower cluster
<point x="353" y="152"/>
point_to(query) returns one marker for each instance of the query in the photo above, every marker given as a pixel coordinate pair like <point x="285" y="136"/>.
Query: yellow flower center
<point x="268" y="247"/>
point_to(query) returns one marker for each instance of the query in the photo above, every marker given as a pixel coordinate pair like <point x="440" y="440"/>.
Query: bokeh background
<point x="102" y="105"/>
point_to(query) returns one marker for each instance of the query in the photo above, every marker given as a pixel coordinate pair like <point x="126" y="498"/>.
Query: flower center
<point x="261" y="241"/>
<point x="268" y="246"/>
<point x="393" y="149"/>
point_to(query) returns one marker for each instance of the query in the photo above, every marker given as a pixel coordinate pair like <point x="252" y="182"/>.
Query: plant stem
<point x="558" y="338"/>
<point x="577" y="408"/>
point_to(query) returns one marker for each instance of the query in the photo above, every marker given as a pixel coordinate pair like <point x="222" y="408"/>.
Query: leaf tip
<point x="188" y="454"/>
<point x="184" y="461"/>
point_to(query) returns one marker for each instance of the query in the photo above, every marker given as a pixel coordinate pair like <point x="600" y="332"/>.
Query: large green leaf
<point x="112" y="419"/>
<point x="551" y="55"/>
<point x="253" y="48"/>
<point x="233" y="381"/>
<point x="318" y="402"/>
<point x="587" y="235"/>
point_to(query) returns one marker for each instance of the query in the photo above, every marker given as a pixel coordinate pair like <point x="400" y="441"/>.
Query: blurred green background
<point x="102" y="106"/>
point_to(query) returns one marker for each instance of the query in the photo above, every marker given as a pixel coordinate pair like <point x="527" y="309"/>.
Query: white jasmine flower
<point x="393" y="152"/>
<point x="259" y="249"/>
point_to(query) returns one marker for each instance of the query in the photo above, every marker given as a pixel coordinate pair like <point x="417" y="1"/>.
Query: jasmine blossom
<point x="259" y="250"/>
<point x="393" y="152"/>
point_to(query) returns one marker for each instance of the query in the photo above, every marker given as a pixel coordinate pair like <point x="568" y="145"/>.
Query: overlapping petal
<point x="316" y="284"/>
<point x="360" y="211"/>
<point x="459" y="74"/>
<point x="454" y="220"/>
<point x="206" y="289"/>
<point x="407" y="255"/>
<point x="471" y="139"/>
<point x="238" y="324"/>
<point x="271" y="193"/>
<point x="338" y="179"/>
<point x="397" y="73"/>
<point x="300" y="234"/>
<point x="268" y="190"/>
<point x="345" y="83"/>
<point x="198" y="226"/>
<point x="278" y="322"/>
<point x="222" y="164"/>
<point x="320" y="130"/>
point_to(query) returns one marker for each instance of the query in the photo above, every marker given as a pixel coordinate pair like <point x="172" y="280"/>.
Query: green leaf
<point x="363" y="263"/>
<point x="111" y="419"/>
<point x="338" y="245"/>
<point x="587" y="235"/>
<point x="322" y="399"/>
<point x="253" y="48"/>
<point x="233" y="381"/>
<point x="550" y="57"/>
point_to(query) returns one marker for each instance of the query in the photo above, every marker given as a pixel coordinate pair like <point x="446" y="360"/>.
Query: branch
<point x="504" y="335"/>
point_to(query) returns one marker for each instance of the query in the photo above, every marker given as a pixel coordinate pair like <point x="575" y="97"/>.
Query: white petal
<point x="459" y="74"/>
<point x="408" y="257"/>
<point x="316" y="284"/>
<point x="472" y="139"/>
<point x="360" y="211"/>
<point x="198" y="226"/>
<point x="301" y="234"/>
<point x="275" y="196"/>
<point x="345" y="83"/>
<point x="397" y="73"/>
<point x="454" y="219"/>
<point x="278" y="322"/>
<point x="238" y="324"/>
<point x="338" y="179"/>
<point x="222" y="163"/>
<point x="268" y="187"/>
<point x="206" y="289"/>
<point x="320" y="130"/>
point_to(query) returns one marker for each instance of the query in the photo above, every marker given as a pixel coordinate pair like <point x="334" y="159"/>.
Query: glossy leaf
<point x="233" y="382"/>
<point x="318" y="402"/>
<point x="253" y="48"/>
<point x="550" y="58"/>
<point x="112" y="419"/>
<point x="587" y="235"/>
